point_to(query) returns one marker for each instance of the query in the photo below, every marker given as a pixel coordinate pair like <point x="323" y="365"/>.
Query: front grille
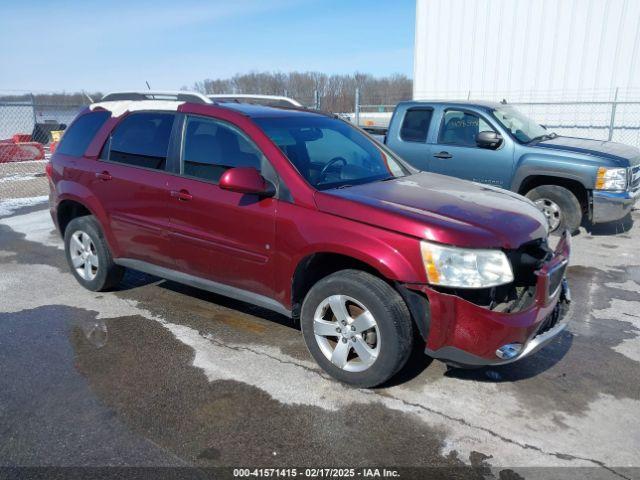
<point x="550" y="321"/>
<point x="555" y="279"/>
<point x="634" y="183"/>
<point x="527" y="259"/>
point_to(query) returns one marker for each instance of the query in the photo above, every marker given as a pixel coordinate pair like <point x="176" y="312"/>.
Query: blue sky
<point x="109" y="45"/>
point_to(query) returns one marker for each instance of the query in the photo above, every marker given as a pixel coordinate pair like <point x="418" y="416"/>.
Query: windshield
<point x="329" y="153"/>
<point x="521" y="127"/>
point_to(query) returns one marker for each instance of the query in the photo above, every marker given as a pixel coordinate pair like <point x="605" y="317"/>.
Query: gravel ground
<point x="158" y="374"/>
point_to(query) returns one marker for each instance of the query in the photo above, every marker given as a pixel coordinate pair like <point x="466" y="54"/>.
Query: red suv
<point x="302" y="213"/>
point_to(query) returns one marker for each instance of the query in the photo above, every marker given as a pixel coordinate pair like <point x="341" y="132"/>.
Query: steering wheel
<point x="330" y="163"/>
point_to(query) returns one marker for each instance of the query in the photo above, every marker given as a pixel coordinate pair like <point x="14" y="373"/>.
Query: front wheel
<point x="357" y="327"/>
<point x="559" y="205"/>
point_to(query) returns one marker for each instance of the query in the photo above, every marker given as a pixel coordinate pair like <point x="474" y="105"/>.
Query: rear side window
<point x="141" y="140"/>
<point x="78" y="136"/>
<point x="416" y="125"/>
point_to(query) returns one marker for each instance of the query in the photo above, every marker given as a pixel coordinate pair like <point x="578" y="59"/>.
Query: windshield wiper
<point x="546" y="136"/>
<point x="345" y="185"/>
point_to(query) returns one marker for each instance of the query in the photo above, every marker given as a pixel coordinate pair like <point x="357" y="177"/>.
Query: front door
<point x="456" y="153"/>
<point x="223" y="236"/>
<point x="130" y="181"/>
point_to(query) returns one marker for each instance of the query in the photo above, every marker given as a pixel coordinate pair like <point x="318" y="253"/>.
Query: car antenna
<point x="148" y="86"/>
<point x="504" y="101"/>
<point x="87" y="95"/>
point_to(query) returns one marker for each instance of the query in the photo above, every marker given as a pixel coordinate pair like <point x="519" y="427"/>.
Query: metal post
<point x="357" y="107"/>
<point x="613" y="114"/>
<point x="33" y="109"/>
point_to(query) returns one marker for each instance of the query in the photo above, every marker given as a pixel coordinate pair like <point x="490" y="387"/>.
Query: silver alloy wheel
<point x="551" y="210"/>
<point x="347" y="333"/>
<point x="84" y="256"/>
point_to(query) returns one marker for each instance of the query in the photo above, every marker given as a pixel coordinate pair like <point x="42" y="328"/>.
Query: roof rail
<point x="177" y="95"/>
<point x="238" y="97"/>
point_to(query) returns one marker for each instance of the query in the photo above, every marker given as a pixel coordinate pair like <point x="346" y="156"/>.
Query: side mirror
<point x="246" y="180"/>
<point x="489" y="139"/>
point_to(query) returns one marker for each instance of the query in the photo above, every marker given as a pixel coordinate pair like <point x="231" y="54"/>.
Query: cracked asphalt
<point x="160" y="374"/>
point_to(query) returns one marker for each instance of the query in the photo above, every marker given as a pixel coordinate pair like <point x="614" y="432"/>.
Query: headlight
<point x="465" y="268"/>
<point x="611" y="179"/>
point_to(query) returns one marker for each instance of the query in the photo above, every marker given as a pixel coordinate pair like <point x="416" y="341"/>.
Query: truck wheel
<point x="559" y="205"/>
<point x="357" y="328"/>
<point x="88" y="255"/>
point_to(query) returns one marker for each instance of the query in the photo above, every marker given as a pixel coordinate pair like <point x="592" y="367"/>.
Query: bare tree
<point x="335" y="93"/>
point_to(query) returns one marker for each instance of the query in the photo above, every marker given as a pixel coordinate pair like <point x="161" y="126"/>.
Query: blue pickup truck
<point x="569" y="179"/>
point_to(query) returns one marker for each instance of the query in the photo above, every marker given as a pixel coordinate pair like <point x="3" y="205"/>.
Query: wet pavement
<point x="159" y="374"/>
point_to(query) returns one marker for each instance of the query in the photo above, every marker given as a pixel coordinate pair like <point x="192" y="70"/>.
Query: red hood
<point x="440" y="208"/>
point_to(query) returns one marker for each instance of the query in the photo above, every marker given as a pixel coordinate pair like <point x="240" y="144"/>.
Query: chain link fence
<point x="598" y="114"/>
<point x="29" y="121"/>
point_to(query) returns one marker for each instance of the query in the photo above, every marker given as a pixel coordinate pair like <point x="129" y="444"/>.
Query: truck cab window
<point x="461" y="128"/>
<point x="416" y="124"/>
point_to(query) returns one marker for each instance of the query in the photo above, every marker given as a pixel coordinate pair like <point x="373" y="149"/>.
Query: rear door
<point x="223" y="236"/>
<point x="456" y="153"/>
<point x="131" y="182"/>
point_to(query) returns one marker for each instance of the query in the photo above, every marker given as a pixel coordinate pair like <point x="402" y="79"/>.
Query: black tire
<point x="107" y="274"/>
<point x="391" y="316"/>
<point x="570" y="211"/>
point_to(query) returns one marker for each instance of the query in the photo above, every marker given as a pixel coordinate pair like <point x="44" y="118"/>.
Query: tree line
<point x="335" y="93"/>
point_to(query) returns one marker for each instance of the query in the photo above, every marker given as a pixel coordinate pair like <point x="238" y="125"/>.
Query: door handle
<point x="443" y="155"/>
<point x="182" y="195"/>
<point x="104" y="176"/>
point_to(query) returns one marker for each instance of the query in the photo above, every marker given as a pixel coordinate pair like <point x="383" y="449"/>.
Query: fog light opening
<point x="509" y="351"/>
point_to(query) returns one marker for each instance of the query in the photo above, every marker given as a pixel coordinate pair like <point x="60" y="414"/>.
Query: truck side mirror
<point x="489" y="139"/>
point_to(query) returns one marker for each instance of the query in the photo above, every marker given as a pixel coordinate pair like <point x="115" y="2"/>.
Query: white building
<point x="563" y="62"/>
<point x="531" y="49"/>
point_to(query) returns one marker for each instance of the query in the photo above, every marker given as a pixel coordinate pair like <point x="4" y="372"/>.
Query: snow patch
<point x="16" y="177"/>
<point x="7" y="207"/>
<point x="36" y="227"/>
<point x="624" y="311"/>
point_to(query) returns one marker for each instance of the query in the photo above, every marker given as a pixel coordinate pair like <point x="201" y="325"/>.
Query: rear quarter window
<point x="415" y="125"/>
<point x="78" y="136"/>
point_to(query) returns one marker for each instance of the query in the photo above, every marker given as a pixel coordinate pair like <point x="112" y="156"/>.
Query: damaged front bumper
<point x="463" y="333"/>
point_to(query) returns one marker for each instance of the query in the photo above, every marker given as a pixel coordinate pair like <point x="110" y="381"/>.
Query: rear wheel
<point x="88" y="255"/>
<point x="357" y="328"/>
<point x="559" y="205"/>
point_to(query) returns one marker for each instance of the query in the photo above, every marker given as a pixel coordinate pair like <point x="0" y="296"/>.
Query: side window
<point x="141" y="140"/>
<point x="461" y="128"/>
<point x="211" y="147"/>
<point x="78" y="136"/>
<point x="416" y="125"/>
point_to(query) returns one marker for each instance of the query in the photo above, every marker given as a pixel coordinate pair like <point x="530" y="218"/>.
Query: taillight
<point x="48" y="169"/>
